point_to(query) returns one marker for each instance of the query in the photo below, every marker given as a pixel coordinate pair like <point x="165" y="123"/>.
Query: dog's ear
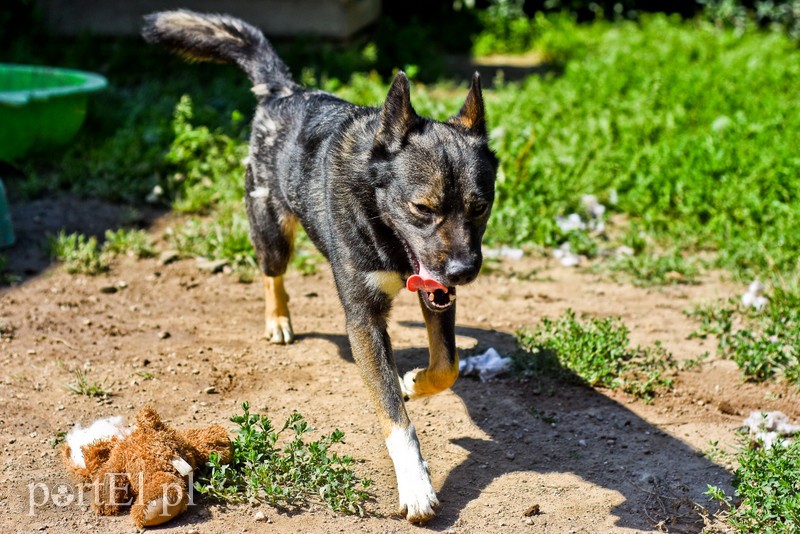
<point x="397" y="116"/>
<point x="471" y="115"/>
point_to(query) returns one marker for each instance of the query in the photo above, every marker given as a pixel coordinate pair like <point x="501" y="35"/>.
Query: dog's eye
<point x="422" y="209"/>
<point x="479" y="209"/>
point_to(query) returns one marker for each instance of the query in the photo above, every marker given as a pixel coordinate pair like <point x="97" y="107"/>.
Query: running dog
<point x="392" y="200"/>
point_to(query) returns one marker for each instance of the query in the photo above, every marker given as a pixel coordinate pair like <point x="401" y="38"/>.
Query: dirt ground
<point x="593" y="461"/>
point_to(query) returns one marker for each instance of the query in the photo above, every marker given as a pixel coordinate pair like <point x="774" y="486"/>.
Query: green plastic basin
<point x="41" y="107"/>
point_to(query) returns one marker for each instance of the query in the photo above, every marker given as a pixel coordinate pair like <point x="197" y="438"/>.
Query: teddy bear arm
<point x="204" y="441"/>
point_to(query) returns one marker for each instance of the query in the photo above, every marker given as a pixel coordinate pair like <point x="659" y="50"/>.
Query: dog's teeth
<point x="430" y="296"/>
<point x="452" y="297"/>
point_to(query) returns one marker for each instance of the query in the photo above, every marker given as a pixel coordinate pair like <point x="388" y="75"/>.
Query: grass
<point x="82" y="386"/>
<point x="765" y="345"/>
<point x="289" y="477"/>
<point x="85" y="255"/>
<point x="766" y="482"/>
<point x="595" y="352"/>
<point x="78" y="253"/>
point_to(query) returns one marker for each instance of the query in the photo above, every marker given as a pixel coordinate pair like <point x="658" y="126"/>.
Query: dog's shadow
<point x="545" y="426"/>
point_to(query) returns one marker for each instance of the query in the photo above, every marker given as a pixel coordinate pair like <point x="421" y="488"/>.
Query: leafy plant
<point x="82" y="386"/>
<point x="763" y="344"/>
<point x="767" y="485"/>
<point x="129" y="242"/>
<point x="78" y="253"/>
<point x="596" y="352"/>
<point x="290" y="477"/>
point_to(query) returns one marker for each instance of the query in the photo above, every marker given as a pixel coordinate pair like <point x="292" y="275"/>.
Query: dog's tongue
<point x="423" y="280"/>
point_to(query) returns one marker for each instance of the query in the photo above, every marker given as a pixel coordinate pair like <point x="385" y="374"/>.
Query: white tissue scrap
<point x="565" y="255"/>
<point x="504" y="252"/>
<point x="574" y="221"/>
<point x="571" y="222"/>
<point x="771" y="428"/>
<point x="593" y="206"/>
<point x="485" y="366"/>
<point x="754" y="296"/>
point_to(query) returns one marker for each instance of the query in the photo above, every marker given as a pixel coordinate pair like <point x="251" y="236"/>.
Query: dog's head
<point x="435" y="188"/>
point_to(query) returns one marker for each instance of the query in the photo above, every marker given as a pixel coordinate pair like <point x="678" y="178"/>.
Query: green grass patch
<point x="79" y="254"/>
<point x="767" y="490"/>
<point x="290" y="476"/>
<point x="127" y="242"/>
<point x="765" y="345"/>
<point x="596" y="352"/>
<point x="85" y="255"/>
<point x="83" y="386"/>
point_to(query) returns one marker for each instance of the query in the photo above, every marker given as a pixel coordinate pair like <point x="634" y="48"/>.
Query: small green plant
<point x="667" y="268"/>
<point x="596" y="352"/>
<point x="128" y="242"/>
<point x="764" y="344"/>
<point x="58" y="438"/>
<point x="288" y="477"/>
<point x="78" y="253"/>
<point x="767" y="485"/>
<point x="82" y="386"/>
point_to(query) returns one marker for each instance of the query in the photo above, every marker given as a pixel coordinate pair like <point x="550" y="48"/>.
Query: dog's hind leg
<point x="442" y="370"/>
<point x="272" y="230"/>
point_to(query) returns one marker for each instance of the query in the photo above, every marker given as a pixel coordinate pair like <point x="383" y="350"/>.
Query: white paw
<point x="417" y="498"/>
<point x="407" y="384"/>
<point x="279" y="330"/>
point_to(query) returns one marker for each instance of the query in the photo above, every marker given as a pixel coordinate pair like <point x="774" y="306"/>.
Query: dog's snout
<point x="462" y="272"/>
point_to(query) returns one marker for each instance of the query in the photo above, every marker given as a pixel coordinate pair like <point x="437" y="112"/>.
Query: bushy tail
<point x="209" y="37"/>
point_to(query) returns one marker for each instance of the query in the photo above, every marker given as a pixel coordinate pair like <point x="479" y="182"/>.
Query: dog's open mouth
<point x="435" y="295"/>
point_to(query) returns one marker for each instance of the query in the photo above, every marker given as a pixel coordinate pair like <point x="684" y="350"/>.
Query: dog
<point x="390" y="198"/>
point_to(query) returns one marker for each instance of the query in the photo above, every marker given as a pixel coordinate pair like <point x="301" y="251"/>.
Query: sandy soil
<point x="593" y="461"/>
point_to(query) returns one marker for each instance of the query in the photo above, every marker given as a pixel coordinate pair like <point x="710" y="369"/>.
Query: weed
<point x="58" y="438"/>
<point x="145" y="375"/>
<point x="645" y="269"/>
<point x="128" y="242"/>
<point x="596" y="352"/>
<point x="287" y="478"/>
<point x="766" y="484"/>
<point x="78" y="253"/>
<point x="82" y="386"/>
<point x="763" y="345"/>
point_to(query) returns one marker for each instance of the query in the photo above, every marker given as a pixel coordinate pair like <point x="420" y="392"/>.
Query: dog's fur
<point x="382" y="192"/>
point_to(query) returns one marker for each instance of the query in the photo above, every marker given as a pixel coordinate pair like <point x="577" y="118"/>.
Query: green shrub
<point x="290" y="477"/>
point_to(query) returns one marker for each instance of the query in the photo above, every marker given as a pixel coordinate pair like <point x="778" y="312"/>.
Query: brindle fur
<point x="376" y="189"/>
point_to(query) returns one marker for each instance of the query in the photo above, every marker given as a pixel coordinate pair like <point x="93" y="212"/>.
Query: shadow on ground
<point x="543" y="426"/>
<point x="34" y="222"/>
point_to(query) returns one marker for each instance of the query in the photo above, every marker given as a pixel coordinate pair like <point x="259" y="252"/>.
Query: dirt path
<point x="593" y="461"/>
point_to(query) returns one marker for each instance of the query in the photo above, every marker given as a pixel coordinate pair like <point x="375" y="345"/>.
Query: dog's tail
<point x="210" y="37"/>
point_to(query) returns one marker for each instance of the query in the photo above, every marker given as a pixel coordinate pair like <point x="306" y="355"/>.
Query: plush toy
<point x="145" y="465"/>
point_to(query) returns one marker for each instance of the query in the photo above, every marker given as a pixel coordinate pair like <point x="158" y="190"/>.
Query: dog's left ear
<point x="397" y="116"/>
<point x="471" y="115"/>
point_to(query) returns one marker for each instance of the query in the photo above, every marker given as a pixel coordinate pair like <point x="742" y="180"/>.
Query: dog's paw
<point x="418" y="500"/>
<point x="279" y="330"/>
<point x="407" y="384"/>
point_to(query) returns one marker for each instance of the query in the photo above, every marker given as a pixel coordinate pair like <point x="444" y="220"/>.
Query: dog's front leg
<point x="442" y="370"/>
<point x="372" y="351"/>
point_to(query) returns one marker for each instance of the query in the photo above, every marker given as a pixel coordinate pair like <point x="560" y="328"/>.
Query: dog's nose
<point x="459" y="272"/>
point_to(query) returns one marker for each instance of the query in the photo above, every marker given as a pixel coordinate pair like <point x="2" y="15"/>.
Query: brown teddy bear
<point x="145" y="465"/>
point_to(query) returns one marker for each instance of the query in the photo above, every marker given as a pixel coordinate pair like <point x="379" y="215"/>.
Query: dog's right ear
<point x="397" y="116"/>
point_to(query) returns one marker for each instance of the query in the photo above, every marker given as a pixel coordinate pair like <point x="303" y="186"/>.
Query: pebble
<point x="168" y="256"/>
<point x="211" y="266"/>
<point x="260" y="516"/>
<point x="210" y="390"/>
<point x="164" y="335"/>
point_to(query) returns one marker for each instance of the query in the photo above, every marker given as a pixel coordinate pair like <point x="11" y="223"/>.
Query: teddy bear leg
<point x="112" y="491"/>
<point x="162" y="497"/>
